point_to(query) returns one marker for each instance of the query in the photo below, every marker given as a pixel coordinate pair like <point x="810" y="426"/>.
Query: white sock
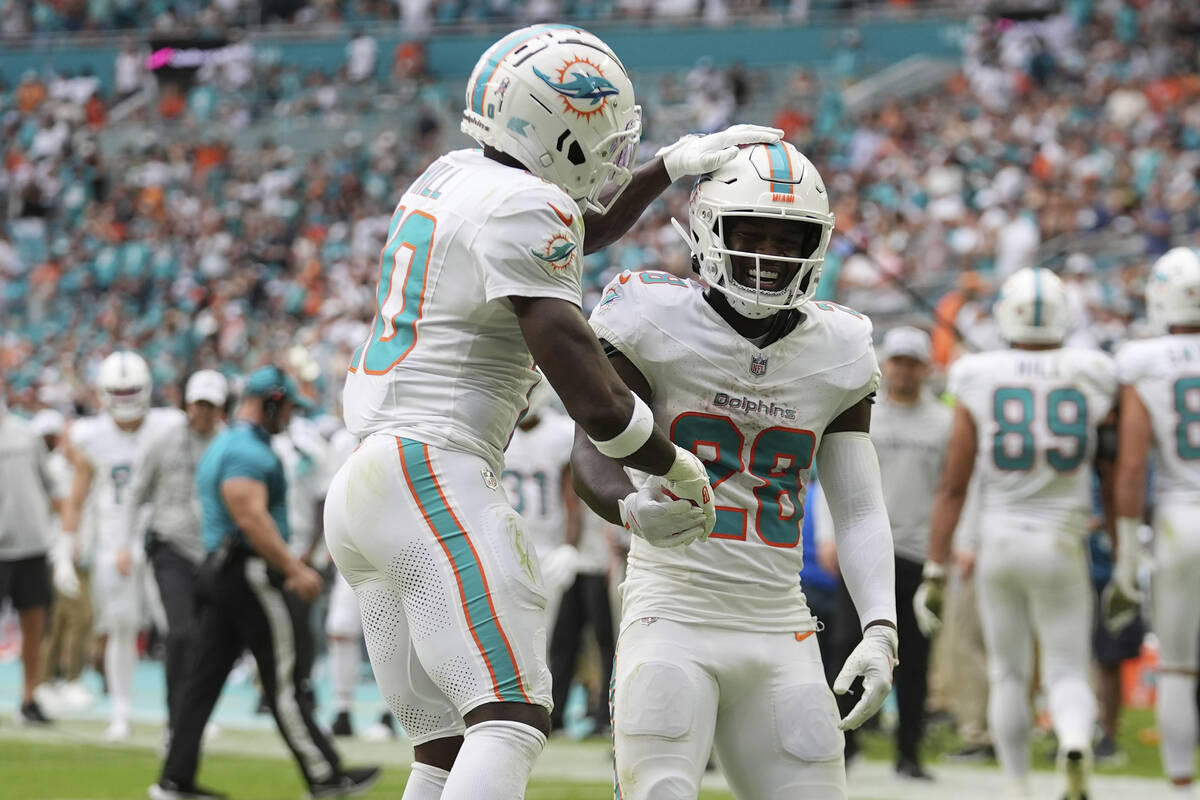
<point x="1073" y="712"/>
<point x="1177" y="792"/>
<point x="120" y="661"/>
<point x="1010" y="722"/>
<point x="1177" y="723"/>
<point x="345" y="662"/>
<point x="496" y="757"/>
<point x="425" y="782"/>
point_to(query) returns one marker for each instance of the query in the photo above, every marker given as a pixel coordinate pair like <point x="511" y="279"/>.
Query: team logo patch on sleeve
<point x="557" y="253"/>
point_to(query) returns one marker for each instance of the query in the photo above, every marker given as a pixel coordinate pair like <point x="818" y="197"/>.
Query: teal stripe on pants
<point x="471" y="580"/>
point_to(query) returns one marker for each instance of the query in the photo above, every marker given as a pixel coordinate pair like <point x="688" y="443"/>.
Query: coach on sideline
<point x="166" y="480"/>
<point x="243" y="590"/>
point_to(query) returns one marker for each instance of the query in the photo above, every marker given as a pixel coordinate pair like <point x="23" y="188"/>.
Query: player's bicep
<point x="1134" y="433"/>
<point x="855" y="418"/>
<point x="630" y="374"/>
<point x="960" y="453"/>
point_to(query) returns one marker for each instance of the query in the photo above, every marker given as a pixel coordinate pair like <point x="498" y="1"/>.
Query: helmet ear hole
<point x="575" y="154"/>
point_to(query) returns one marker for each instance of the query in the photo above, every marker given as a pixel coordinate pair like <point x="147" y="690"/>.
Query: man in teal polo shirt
<point x="252" y="592"/>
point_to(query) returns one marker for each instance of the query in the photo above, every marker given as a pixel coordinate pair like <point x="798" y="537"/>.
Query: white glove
<point x="660" y="519"/>
<point x="687" y="479"/>
<point x="64" y="577"/>
<point x="873" y="659"/>
<point x="559" y="568"/>
<point x="696" y="154"/>
<point x="1129" y="557"/>
<point x="930" y="599"/>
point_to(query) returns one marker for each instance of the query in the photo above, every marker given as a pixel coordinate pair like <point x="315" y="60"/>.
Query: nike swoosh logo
<point x="624" y="278"/>
<point x="566" y="219"/>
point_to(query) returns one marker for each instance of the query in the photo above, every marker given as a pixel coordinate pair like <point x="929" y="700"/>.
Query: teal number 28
<point x="777" y="458"/>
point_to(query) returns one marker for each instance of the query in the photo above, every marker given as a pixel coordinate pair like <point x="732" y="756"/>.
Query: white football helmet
<point x="557" y="99"/>
<point x="1173" y="289"/>
<point x="771" y="181"/>
<point x="124" y="381"/>
<point x="1032" y="308"/>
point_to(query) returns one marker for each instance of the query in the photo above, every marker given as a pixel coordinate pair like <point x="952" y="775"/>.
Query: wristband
<point x="636" y="433"/>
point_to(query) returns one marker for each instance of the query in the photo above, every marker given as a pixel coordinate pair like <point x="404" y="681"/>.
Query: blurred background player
<point x="438" y="386"/>
<point x="246" y="586"/>
<point x="1028" y="420"/>
<point x="716" y="641"/>
<point x="104" y="452"/>
<point x="1160" y="410"/>
<point x="910" y="429"/>
<point x="65" y="647"/>
<point x="165" y="480"/>
<point x="24" y="543"/>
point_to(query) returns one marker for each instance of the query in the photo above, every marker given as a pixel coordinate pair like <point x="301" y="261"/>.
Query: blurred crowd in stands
<point x="1072" y="141"/>
<point x="24" y="18"/>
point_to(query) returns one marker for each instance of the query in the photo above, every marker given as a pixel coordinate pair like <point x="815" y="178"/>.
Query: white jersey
<point x="1036" y="414"/>
<point x="533" y="468"/>
<point x="445" y="362"/>
<point x="1165" y="372"/>
<point x="114" y="455"/>
<point x="756" y="418"/>
<point x="304" y="453"/>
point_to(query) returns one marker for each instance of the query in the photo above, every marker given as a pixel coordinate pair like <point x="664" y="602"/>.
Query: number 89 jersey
<point x="1165" y="372"/>
<point x="1036" y="413"/>
<point x="756" y="418"/>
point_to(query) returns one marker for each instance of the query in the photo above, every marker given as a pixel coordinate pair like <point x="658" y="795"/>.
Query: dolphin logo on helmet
<point x="581" y="86"/>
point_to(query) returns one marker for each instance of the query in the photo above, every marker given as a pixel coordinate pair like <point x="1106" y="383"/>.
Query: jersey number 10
<point x="777" y="458"/>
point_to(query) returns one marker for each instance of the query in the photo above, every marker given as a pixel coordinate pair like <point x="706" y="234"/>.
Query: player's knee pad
<point x="807" y="721"/>
<point x="653" y="699"/>
<point x="660" y="787"/>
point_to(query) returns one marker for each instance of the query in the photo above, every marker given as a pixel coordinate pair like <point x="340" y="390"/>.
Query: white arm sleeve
<point x="850" y="477"/>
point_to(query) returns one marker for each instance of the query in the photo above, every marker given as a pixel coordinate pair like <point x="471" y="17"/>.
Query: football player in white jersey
<point x="716" y="642"/>
<point x="104" y="451"/>
<point x="480" y="279"/>
<point x="1029" y="421"/>
<point x="1160" y="408"/>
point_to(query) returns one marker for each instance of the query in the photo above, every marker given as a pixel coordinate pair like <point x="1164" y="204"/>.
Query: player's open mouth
<point x="766" y="279"/>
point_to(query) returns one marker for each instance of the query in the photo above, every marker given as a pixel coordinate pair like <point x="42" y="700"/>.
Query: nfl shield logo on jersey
<point x="758" y="365"/>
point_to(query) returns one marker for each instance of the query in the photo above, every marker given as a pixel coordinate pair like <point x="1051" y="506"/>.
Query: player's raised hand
<point x="930" y="599"/>
<point x="697" y="154"/>
<point x="661" y="520"/>
<point x="873" y="659"/>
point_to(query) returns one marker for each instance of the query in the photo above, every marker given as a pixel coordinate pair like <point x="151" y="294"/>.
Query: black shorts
<point x="1113" y="648"/>
<point x="26" y="581"/>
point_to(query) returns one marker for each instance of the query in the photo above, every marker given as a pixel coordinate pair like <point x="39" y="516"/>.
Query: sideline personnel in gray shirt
<point x="910" y="429"/>
<point x="166" y="480"/>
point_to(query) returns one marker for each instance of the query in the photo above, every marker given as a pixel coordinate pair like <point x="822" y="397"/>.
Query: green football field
<point x="250" y="765"/>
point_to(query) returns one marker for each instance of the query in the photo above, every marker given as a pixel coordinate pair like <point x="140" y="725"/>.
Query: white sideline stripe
<point x="284" y="645"/>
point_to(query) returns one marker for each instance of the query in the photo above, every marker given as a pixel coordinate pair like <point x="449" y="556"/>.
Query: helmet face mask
<point x="557" y="99"/>
<point x="1173" y="289"/>
<point x="760" y="227"/>
<point x="124" y="383"/>
<point x="1032" y="308"/>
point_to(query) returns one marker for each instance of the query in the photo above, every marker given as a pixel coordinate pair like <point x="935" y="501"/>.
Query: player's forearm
<point x="1129" y="487"/>
<point x="948" y="502"/>
<point x="853" y="488"/>
<point x="648" y="182"/>
<point x="599" y="481"/>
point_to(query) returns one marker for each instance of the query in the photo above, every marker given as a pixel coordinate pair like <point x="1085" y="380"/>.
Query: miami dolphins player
<point x="1160" y="408"/>
<point x="479" y="279"/>
<point x="105" y="451"/>
<point x="1029" y="422"/>
<point x="716" y="642"/>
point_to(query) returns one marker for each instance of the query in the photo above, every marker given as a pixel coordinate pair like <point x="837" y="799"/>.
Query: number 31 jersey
<point x="1165" y="372"/>
<point x="1036" y="413"/>
<point x="445" y="362"/>
<point x="756" y="418"/>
